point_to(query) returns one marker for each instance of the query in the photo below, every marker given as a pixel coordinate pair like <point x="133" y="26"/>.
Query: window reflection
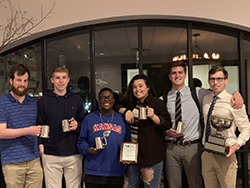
<point x="115" y="54"/>
<point x="215" y="43"/>
<point x="160" y="45"/>
<point x="72" y="51"/>
<point x="247" y="64"/>
<point x="30" y="57"/>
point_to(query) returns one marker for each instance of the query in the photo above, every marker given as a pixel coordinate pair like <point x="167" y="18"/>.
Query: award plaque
<point x="216" y="142"/>
<point x="129" y="152"/>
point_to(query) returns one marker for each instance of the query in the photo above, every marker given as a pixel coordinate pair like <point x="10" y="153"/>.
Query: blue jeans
<point x="135" y="173"/>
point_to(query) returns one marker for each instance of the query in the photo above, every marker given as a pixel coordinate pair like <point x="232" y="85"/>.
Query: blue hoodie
<point x="52" y="109"/>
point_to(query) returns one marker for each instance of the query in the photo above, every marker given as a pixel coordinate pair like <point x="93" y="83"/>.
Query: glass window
<point x="247" y="64"/>
<point x="115" y="57"/>
<point x="215" y="49"/>
<point x="30" y="57"/>
<point x="160" y="46"/>
<point x="72" y="51"/>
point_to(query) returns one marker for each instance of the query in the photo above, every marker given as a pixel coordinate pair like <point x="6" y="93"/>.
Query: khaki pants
<point x="56" y="166"/>
<point x="27" y="174"/>
<point x="219" y="171"/>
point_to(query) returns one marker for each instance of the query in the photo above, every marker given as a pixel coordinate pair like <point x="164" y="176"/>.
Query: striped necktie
<point x="177" y="108"/>
<point x="208" y="128"/>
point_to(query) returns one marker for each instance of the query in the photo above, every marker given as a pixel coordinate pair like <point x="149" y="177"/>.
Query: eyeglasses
<point x="219" y="79"/>
<point x="106" y="98"/>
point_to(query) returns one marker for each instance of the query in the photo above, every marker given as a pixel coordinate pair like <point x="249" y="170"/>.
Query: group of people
<point x="160" y="145"/>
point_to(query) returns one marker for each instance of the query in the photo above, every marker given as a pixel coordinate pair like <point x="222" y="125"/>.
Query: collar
<point x="222" y="94"/>
<point x="12" y="99"/>
<point x="148" y="98"/>
<point x="183" y="91"/>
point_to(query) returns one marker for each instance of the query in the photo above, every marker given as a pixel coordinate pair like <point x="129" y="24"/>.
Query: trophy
<point x="216" y="142"/>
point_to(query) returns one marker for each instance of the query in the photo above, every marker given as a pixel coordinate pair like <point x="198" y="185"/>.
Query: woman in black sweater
<point x="148" y="133"/>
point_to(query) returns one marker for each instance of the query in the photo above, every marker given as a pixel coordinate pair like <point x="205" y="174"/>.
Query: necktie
<point x="208" y="128"/>
<point x="177" y="109"/>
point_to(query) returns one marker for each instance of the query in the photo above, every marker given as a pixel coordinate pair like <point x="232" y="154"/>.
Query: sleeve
<point x="80" y="116"/>
<point x="41" y="118"/>
<point x="242" y="122"/>
<point x="3" y="118"/>
<point x="162" y="113"/>
<point x="82" y="143"/>
<point x="122" y="104"/>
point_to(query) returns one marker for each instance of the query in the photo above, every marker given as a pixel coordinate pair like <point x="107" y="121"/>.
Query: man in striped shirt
<point x="18" y="133"/>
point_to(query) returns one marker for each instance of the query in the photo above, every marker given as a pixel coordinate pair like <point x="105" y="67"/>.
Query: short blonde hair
<point x="59" y="69"/>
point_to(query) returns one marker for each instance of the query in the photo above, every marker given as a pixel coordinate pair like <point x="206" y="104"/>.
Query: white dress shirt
<point x="223" y="108"/>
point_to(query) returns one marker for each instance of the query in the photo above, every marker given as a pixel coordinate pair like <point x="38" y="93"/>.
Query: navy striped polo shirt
<point x="18" y="115"/>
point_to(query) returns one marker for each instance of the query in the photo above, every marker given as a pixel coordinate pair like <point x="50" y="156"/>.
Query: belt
<point x="183" y="143"/>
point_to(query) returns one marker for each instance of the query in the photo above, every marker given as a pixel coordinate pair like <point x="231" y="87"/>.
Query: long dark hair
<point x="130" y="96"/>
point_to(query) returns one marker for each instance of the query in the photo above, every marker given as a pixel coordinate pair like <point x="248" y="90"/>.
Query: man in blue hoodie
<point x="59" y="152"/>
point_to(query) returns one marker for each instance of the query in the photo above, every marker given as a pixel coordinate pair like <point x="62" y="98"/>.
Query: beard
<point x="17" y="92"/>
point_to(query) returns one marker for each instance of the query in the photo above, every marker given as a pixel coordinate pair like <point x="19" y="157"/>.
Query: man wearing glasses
<point x="59" y="152"/>
<point x="219" y="170"/>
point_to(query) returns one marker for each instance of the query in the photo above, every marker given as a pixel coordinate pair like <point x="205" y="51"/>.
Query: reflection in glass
<point x="160" y="45"/>
<point x="31" y="58"/>
<point x="72" y="50"/>
<point x="247" y="64"/>
<point x="214" y="43"/>
<point x="115" y="54"/>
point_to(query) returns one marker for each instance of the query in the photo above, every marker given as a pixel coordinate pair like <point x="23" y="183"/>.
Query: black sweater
<point x="52" y="109"/>
<point x="151" y="140"/>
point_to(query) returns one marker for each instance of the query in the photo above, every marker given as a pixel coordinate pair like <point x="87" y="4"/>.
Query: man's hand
<point x="232" y="149"/>
<point x="129" y="117"/>
<point x="237" y="100"/>
<point x="173" y="133"/>
<point x="35" y="130"/>
<point x="41" y="149"/>
<point x="73" y="124"/>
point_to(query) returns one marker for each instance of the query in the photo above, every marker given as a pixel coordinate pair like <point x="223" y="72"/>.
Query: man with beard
<point x="18" y="133"/>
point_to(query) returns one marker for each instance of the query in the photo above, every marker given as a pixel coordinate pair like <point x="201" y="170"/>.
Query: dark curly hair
<point x="130" y="96"/>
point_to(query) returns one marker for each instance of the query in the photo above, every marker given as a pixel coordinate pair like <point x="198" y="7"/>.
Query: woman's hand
<point x="129" y="117"/>
<point x="150" y="112"/>
<point x="93" y="150"/>
<point x="151" y="115"/>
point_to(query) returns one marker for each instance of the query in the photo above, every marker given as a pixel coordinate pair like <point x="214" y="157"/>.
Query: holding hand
<point x="129" y="117"/>
<point x="173" y="133"/>
<point x="237" y="100"/>
<point x="150" y="112"/>
<point x="73" y="124"/>
<point x="93" y="150"/>
<point x="232" y="149"/>
<point x="35" y="130"/>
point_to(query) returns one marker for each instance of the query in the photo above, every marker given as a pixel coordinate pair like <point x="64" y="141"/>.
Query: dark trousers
<point x="94" y="185"/>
